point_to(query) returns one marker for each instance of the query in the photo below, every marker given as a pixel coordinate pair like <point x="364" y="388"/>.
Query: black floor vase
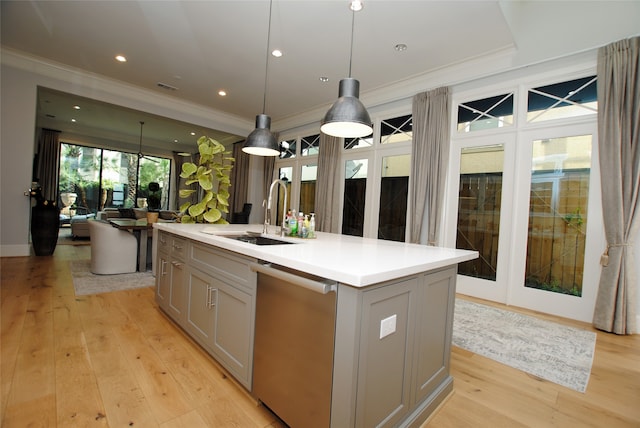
<point x="45" y="221"/>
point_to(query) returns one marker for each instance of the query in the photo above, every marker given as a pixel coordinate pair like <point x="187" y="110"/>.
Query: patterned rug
<point x="84" y="282"/>
<point x="551" y="351"/>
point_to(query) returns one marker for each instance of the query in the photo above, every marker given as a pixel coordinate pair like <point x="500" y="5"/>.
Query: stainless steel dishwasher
<point x="294" y="344"/>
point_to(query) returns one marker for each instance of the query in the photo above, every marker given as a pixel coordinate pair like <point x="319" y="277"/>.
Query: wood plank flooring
<point x="114" y="360"/>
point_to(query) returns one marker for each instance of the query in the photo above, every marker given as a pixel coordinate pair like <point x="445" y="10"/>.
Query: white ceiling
<point x="200" y="47"/>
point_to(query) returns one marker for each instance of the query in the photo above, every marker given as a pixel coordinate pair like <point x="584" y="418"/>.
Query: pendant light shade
<point x="261" y="141"/>
<point x="347" y="117"/>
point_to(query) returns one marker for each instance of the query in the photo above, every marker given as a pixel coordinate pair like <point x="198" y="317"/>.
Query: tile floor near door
<point x="114" y="360"/>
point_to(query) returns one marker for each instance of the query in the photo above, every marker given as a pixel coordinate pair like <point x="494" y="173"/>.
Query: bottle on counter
<point x="305" y="227"/>
<point x="293" y="224"/>
<point x="312" y="226"/>
<point x="300" y="223"/>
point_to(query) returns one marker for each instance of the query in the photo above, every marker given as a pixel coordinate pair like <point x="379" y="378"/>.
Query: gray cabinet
<point x="170" y="289"/>
<point x="210" y="293"/>
<point x="392" y="350"/>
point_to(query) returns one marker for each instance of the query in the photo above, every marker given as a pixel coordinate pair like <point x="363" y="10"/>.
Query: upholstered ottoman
<point x="79" y="226"/>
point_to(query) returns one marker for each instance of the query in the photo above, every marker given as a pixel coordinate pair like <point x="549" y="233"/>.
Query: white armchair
<point x="112" y="250"/>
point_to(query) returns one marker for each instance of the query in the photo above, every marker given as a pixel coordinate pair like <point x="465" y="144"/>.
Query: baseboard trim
<point x="15" y="250"/>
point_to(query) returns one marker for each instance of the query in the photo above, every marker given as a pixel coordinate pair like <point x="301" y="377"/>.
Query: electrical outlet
<point x="388" y="326"/>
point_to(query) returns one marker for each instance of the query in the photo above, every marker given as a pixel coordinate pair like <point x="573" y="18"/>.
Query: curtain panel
<point x="239" y="180"/>
<point x="619" y="152"/>
<point x="48" y="163"/>
<point x="429" y="162"/>
<point x="328" y="185"/>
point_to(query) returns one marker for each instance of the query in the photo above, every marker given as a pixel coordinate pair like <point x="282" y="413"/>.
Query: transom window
<point x="396" y="130"/>
<point x="310" y="145"/>
<point x="563" y="100"/>
<point x="487" y="113"/>
<point x="288" y="149"/>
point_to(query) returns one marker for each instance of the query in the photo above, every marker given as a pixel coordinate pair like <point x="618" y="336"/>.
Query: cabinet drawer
<point x="225" y="264"/>
<point x="164" y="242"/>
<point x="178" y="247"/>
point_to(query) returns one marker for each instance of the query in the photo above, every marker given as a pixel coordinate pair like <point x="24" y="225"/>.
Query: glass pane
<point x="487" y="113"/>
<point x="562" y="100"/>
<point x="288" y="149"/>
<point x="284" y="173"/>
<point x="153" y="170"/>
<point x="357" y="143"/>
<point x="396" y="130"/>
<point x="479" y="205"/>
<point x="394" y="186"/>
<point x="308" y="188"/>
<point x="558" y="214"/>
<point x="355" y="186"/>
<point x="310" y="145"/>
<point x="119" y="178"/>
<point x="78" y="179"/>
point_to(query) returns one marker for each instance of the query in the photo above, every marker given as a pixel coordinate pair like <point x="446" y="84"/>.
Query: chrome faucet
<point x="267" y="208"/>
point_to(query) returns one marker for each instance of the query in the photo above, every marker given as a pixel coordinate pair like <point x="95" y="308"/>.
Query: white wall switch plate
<point x="388" y="326"/>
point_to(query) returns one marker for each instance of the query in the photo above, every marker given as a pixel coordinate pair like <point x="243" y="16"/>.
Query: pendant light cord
<point x="353" y="19"/>
<point x="266" y="67"/>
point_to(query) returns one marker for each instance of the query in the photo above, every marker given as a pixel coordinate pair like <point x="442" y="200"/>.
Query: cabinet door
<point x="233" y="337"/>
<point x="433" y="332"/>
<point x="177" y="294"/>
<point x="163" y="280"/>
<point x="385" y="354"/>
<point x="201" y="307"/>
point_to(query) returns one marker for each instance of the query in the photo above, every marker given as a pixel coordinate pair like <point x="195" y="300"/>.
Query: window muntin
<point x="396" y="130"/>
<point x="310" y="145"/>
<point x="288" y="149"/>
<point x="562" y="100"/>
<point x="487" y="113"/>
<point x="358" y="143"/>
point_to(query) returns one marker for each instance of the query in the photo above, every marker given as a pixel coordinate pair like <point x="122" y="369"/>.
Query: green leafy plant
<point x="212" y="175"/>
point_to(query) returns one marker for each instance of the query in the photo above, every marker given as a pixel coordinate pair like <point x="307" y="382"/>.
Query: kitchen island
<point x="377" y="351"/>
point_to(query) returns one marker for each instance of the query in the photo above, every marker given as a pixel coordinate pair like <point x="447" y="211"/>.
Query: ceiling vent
<point x="167" y="87"/>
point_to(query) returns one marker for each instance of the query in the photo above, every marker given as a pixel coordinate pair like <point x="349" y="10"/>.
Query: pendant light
<point x="347" y="117"/>
<point x="261" y="141"/>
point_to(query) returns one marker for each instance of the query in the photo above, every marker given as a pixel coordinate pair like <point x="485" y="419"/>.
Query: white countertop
<point x="351" y="260"/>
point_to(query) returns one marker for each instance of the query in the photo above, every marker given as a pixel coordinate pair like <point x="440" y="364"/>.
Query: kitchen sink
<point x="257" y="239"/>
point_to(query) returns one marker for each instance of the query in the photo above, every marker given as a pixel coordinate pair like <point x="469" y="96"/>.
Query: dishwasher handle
<point x="310" y="284"/>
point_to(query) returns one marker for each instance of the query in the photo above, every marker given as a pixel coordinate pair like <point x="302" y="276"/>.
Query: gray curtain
<point x="239" y="181"/>
<point x="619" y="150"/>
<point x="328" y="185"/>
<point x="429" y="162"/>
<point x="48" y="163"/>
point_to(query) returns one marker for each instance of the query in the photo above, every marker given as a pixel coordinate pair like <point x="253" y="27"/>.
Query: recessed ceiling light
<point x="222" y="93"/>
<point x="73" y="120"/>
<point x="277" y="53"/>
<point x="76" y="107"/>
<point x="175" y="141"/>
<point x="400" y="47"/>
<point x="356" y="5"/>
<point x="121" y="58"/>
<point x="324" y="79"/>
<point x="193" y="133"/>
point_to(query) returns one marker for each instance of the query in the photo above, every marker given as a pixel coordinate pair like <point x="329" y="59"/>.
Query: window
<point x="102" y="178"/>
<point x="308" y="188"/>
<point x="310" y="145"/>
<point x="358" y="143"/>
<point x="563" y="100"/>
<point x="396" y="130"/>
<point x="288" y="149"/>
<point x="487" y="113"/>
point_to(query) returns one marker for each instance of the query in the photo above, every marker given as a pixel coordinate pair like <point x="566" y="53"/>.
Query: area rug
<point x="551" y="351"/>
<point x="84" y="282"/>
<point x="65" y="238"/>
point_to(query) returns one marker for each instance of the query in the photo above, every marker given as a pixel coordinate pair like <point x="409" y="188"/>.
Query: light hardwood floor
<point x="114" y="360"/>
